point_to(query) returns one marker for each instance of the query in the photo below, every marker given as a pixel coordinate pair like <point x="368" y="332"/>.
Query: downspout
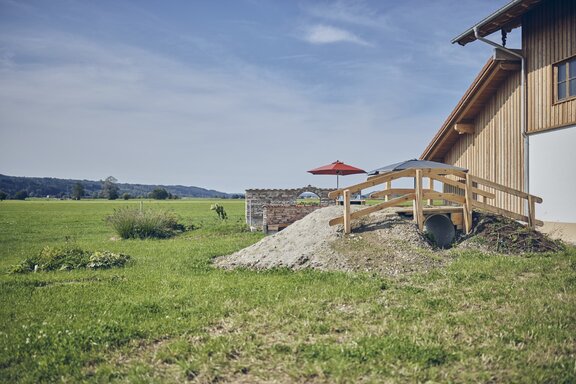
<point x="522" y="107"/>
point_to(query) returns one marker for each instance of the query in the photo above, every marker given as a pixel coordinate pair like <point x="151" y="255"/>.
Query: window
<point x="565" y="79"/>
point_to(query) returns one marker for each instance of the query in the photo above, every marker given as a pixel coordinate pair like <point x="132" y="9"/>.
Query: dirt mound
<point x="381" y="242"/>
<point x="499" y="234"/>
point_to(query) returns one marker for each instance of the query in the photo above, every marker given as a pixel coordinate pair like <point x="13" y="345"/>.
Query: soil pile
<point x="382" y="242"/>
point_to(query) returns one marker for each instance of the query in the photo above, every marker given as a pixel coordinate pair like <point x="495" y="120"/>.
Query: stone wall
<point x="257" y="199"/>
<point x="285" y="214"/>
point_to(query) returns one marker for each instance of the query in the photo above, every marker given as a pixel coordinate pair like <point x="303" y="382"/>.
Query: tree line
<point x="15" y="187"/>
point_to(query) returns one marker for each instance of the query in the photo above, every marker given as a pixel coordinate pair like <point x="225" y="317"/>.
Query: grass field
<point x="171" y="317"/>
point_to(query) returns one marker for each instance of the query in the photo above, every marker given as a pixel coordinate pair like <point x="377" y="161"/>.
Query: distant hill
<point x="49" y="186"/>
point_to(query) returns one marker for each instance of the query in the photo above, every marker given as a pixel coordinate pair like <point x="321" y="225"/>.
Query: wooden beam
<point x="429" y="190"/>
<point x="457" y="184"/>
<point x="347" y="226"/>
<point x="418" y="214"/>
<point x="504" y="212"/>
<point x="503" y="188"/>
<point x="430" y="210"/>
<point x="445" y="196"/>
<point x="380" y="179"/>
<point x="397" y="191"/>
<point x="464" y="128"/>
<point x="373" y="208"/>
<point x="468" y="204"/>
<point x="531" y="212"/>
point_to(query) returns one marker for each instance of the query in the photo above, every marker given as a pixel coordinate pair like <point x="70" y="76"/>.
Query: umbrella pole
<point x="337" y="181"/>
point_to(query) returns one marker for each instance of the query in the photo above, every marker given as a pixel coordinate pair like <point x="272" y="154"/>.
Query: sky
<point x="228" y="94"/>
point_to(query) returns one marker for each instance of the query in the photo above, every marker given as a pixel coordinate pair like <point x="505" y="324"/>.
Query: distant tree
<point x="110" y="189"/>
<point x="159" y="194"/>
<point x="78" y="191"/>
<point x="21" y="195"/>
<point x="126" y="196"/>
<point x="3" y="195"/>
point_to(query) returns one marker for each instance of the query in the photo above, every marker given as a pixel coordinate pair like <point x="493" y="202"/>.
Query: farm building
<point x="516" y="123"/>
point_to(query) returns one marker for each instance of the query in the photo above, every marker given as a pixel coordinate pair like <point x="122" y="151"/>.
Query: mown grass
<point x="171" y="317"/>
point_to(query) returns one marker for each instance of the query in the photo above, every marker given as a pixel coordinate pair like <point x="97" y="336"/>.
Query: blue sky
<point x="228" y="95"/>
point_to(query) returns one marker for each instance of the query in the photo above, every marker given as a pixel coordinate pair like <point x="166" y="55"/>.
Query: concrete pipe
<point x="440" y="230"/>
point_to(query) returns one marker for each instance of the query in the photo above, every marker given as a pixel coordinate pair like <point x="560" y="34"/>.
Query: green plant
<point x="220" y="211"/>
<point x="132" y="223"/>
<point x="107" y="259"/>
<point x="66" y="258"/>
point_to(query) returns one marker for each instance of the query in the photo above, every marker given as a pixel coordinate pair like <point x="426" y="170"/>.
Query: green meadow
<point x="169" y="316"/>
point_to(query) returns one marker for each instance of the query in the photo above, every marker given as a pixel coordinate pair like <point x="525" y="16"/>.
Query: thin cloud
<point x="325" y="34"/>
<point x="350" y="12"/>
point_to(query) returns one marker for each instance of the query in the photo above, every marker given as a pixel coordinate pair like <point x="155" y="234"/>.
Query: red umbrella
<point x="336" y="168"/>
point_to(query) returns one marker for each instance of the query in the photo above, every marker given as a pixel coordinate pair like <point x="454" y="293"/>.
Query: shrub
<point x="219" y="211"/>
<point x="107" y="259"/>
<point x="67" y="258"/>
<point x="132" y="223"/>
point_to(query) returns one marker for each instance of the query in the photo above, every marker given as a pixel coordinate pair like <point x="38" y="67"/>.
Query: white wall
<point x="553" y="174"/>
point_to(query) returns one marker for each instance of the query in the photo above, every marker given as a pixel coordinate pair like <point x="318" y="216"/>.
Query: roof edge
<point x="499" y="19"/>
<point x="484" y="74"/>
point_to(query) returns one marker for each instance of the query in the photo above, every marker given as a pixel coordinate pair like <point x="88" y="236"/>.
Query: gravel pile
<point x="381" y="242"/>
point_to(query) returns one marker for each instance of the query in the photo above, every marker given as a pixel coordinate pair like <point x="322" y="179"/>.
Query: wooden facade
<point x="548" y="37"/>
<point x="495" y="149"/>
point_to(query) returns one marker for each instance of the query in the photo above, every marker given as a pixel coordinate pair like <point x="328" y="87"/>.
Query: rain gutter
<point x="522" y="104"/>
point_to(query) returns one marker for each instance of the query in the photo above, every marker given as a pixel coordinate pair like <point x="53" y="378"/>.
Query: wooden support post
<point x="431" y="187"/>
<point x="531" y="212"/>
<point x="347" y="226"/>
<point x="418" y="212"/>
<point x="388" y="186"/>
<point x="468" y="204"/>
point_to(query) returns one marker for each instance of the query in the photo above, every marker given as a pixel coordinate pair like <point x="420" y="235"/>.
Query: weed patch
<point x="130" y="223"/>
<point x="68" y="258"/>
<point x="500" y="234"/>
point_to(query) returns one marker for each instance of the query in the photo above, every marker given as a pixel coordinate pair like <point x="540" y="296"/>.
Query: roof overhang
<point x="508" y="17"/>
<point x="461" y="120"/>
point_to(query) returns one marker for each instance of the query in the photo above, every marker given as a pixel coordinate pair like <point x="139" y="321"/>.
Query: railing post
<point x="531" y="212"/>
<point x="347" y="226"/>
<point x="468" y="204"/>
<point x="388" y="186"/>
<point x="431" y="187"/>
<point x="418" y="214"/>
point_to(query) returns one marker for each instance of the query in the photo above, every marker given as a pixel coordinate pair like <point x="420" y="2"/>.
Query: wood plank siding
<point x="548" y="37"/>
<point x="495" y="151"/>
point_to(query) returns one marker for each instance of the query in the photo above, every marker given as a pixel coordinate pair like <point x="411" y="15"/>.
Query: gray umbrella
<point x="412" y="164"/>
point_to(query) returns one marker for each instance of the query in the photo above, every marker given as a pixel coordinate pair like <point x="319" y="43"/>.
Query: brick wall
<point x="257" y="199"/>
<point x="285" y="214"/>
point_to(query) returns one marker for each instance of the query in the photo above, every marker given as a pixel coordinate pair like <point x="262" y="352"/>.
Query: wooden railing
<point x="469" y="184"/>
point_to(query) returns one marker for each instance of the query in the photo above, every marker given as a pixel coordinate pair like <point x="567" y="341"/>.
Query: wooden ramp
<point x="475" y="195"/>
